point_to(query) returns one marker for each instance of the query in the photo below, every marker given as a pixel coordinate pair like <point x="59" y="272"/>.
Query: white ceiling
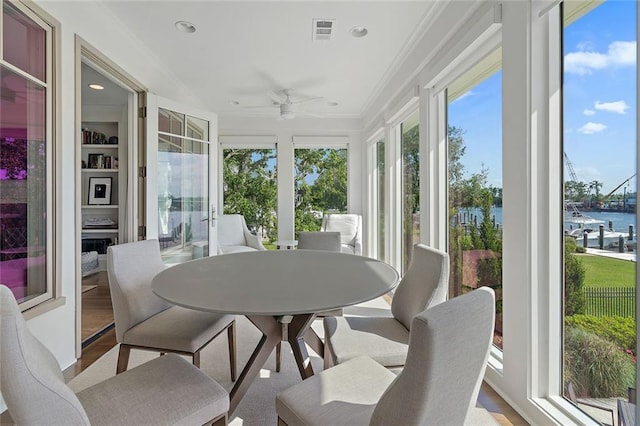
<point x="242" y="50"/>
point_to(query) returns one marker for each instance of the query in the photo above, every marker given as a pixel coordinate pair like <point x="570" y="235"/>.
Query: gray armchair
<point x="234" y="236"/>
<point x="145" y="321"/>
<point x="439" y="385"/>
<point x="386" y="339"/>
<point x="165" y="390"/>
<point x="327" y="241"/>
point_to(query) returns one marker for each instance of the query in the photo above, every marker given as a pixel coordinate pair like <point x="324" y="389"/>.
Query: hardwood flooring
<point x="97" y="312"/>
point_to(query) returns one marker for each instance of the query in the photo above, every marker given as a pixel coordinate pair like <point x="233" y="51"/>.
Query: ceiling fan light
<point x="288" y="115"/>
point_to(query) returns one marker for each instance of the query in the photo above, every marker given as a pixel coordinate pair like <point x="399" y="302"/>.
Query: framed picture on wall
<point x="99" y="190"/>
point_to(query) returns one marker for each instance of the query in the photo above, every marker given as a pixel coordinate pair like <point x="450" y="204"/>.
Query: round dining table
<point x="280" y="292"/>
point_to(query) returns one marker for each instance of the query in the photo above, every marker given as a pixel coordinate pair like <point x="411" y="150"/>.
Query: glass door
<point x="181" y="180"/>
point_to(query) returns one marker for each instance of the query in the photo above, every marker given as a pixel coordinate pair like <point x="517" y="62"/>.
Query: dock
<point x="630" y="256"/>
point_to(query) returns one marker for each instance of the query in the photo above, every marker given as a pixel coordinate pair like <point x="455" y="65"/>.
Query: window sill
<point x="44" y="307"/>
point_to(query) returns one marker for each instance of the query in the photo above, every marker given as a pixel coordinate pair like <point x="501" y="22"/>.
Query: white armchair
<point x="350" y="228"/>
<point x="234" y="236"/>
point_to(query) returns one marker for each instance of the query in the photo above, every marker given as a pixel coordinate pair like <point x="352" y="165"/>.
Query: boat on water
<point x="578" y="224"/>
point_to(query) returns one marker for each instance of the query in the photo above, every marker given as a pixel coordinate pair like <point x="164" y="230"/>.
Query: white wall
<point x="284" y="131"/>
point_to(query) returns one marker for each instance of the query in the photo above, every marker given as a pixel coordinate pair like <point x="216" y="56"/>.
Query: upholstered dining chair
<point x="349" y="226"/>
<point x="327" y="241"/>
<point x="439" y="385"/>
<point x="234" y="235"/>
<point x="145" y="321"/>
<point x="385" y="339"/>
<point x="324" y="241"/>
<point x="165" y="390"/>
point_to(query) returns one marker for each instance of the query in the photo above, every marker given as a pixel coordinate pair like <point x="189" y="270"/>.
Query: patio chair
<point x="385" y="339"/>
<point x="439" y="385"/>
<point x="234" y="236"/>
<point x="145" y="321"/>
<point x="589" y="403"/>
<point x="165" y="390"/>
<point x="350" y="228"/>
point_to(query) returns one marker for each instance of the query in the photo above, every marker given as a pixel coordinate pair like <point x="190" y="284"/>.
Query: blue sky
<point x="599" y="102"/>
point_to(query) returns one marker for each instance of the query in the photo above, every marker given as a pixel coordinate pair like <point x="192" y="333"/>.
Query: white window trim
<point x="372" y="191"/>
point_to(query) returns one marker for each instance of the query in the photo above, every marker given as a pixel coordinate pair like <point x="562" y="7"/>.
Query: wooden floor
<point x="97" y="312"/>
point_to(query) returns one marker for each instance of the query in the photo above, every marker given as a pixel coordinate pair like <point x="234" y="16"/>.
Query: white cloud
<point x="588" y="112"/>
<point x="591" y="128"/>
<point x="584" y="62"/>
<point x="619" y="107"/>
<point x="464" y="95"/>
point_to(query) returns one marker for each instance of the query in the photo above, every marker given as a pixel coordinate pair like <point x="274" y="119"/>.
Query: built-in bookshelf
<point x="102" y="176"/>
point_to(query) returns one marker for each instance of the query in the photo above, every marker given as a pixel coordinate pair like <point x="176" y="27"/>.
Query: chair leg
<point x="278" y="356"/>
<point x="231" y="335"/>
<point x="123" y="358"/>
<point x="196" y="359"/>
<point x="220" y="421"/>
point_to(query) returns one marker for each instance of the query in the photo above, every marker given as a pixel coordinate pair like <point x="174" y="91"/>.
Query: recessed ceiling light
<point x="96" y="86"/>
<point x="359" y="32"/>
<point x="185" y="27"/>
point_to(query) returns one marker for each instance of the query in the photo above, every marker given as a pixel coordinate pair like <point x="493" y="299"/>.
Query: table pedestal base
<point x="293" y="329"/>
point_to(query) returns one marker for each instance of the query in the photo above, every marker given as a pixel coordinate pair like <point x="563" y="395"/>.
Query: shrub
<point x="597" y="367"/>
<point x="574" y="298"/>
<point x="619" y="330"/>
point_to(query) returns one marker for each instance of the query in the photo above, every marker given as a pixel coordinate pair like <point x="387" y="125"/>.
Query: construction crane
<point x="606" y="197"/>
<point x="572" y="172"/>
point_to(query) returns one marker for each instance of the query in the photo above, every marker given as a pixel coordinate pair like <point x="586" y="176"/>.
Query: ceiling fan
<point x="287" y="107"/>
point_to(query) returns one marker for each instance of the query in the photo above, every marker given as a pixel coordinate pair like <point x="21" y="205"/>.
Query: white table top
<point x="280" y="282"/>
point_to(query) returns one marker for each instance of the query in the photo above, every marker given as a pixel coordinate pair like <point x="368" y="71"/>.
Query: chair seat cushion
<point x="385" y="340"/>
<point x="355" y="388"/>
<point x="177" y="329"/>
<point x="165" y="390"/>
<point x="235" y="249"/>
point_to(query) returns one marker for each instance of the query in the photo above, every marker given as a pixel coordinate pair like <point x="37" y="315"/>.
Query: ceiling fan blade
<point x="307" y="101"/>
<point x="275" y="97"/>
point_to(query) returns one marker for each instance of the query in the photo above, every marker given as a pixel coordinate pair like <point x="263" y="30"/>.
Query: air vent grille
<point x="323" y="29"/>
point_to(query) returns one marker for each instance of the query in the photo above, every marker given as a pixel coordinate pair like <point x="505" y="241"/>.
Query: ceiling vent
<point x="323" y="29"/>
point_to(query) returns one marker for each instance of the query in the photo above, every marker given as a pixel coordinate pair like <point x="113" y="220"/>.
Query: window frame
<point x="52" y="297"/>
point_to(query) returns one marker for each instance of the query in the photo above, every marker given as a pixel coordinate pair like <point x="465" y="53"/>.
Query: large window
<point x="599" y="143"/>
<point x="320" y="185"/>
<point x="380" y="199"/>
<point x="250" y="188"/>
<point x="475" y="182"/>
<point x="26" y="155"/>
<point x="183" y="186"/>
<point x="410" y="148"/>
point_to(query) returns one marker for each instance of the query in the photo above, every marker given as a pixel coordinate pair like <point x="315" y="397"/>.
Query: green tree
<point x="320" y="185"/>
<point x="250" y="188"/>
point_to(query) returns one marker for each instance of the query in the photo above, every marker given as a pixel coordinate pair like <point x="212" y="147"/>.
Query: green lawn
<point x="607" y="272"/>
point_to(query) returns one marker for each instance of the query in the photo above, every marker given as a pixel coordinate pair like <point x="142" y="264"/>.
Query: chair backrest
<point x="347" y="224"/>
<point x="231" y="230"/>
<point x="449" y="347"/>
<point x="130" y="268"/>
<point x="424" y="284"/>
<point x="328" y="241"/>
<point x="31" y="381"/>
